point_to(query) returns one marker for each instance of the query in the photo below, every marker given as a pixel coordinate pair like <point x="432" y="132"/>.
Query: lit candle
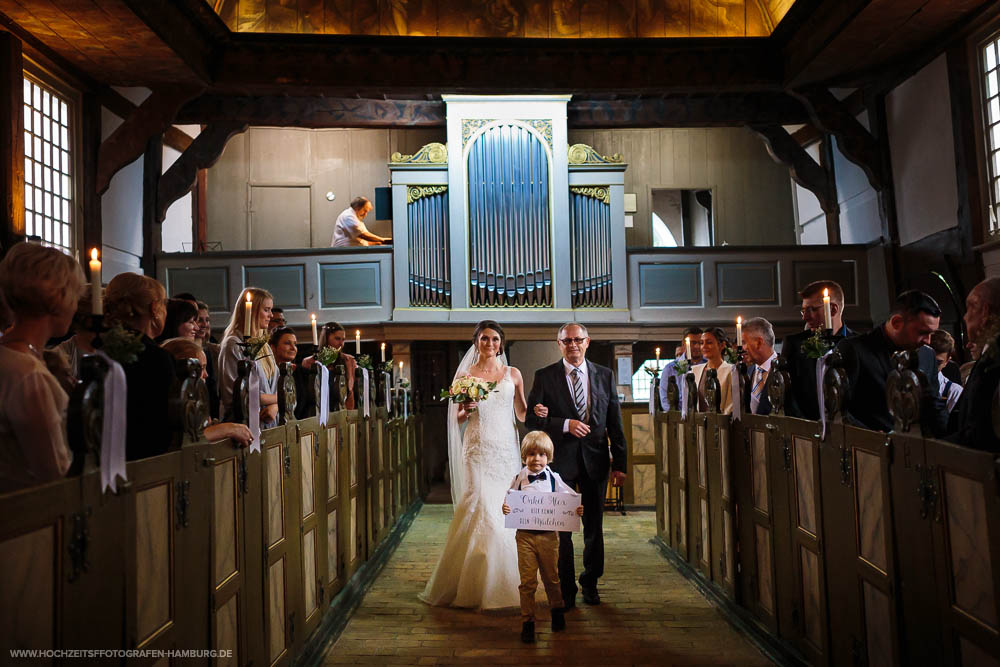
<point x="315" y="336"/>
<point x="357" y="342"/>
<point x="97" y="306"/>
<point x="383" y="353"/>
<point x="246" y="315"/>
<point x="687" y="347"/>
<point x="739" y="331"/>
<point x="657" y="357"/>
<point x="401" y="370"/>
<point x="827" y="315"/>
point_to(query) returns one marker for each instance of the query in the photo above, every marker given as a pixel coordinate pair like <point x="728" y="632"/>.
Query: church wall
<point x="922" y="146"/>
<point x="750" y="191"/>
<point x="305" y="164"/>
<point x="177" y="230"/>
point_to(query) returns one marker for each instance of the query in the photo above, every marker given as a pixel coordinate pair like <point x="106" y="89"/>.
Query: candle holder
<point x="95" y="324"/>
<point x="742" y="368"/>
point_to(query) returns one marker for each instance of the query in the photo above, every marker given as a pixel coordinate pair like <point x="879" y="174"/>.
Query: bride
<point x="478" y="568"/>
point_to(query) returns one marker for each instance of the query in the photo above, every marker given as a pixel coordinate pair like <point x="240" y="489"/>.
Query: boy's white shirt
<point x="540" y="485"/>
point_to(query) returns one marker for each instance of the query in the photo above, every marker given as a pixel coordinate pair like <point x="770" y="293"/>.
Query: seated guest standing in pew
<point x="670" y="370"/>
<point x="230" y="353"/>
<point x="73" y="348"/>
<point x="712" y="342"/>
<point x="284" y="345"/>
<point x="184" y="348"/>
<point x="277" y="319"/>
<point x="868" y="362"/>
<point x="139" y="304"/>
<point x="802" y="400"/>
<point x="41" y="286"/>
<point x="333" y="335"/>
<point x="181" y="322"/>
<point x="944" y="345"/>
<point x="979" y="404"/>
<point x="758" y="341"/>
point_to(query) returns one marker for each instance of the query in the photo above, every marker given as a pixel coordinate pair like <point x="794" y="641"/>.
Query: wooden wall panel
<point x="565" y="21"/>
<point x="337" y="17"/>
<point x="594" y="18"/>
<point x="364" y="18"/>
<point x="677" y="18"/>
<point x="650" y="18"/>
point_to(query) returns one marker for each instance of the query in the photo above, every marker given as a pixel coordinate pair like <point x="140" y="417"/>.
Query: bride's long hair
<point x="471" y="358"/>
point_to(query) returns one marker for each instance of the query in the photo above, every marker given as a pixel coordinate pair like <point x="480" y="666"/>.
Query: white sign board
<point x="542" y="511"/>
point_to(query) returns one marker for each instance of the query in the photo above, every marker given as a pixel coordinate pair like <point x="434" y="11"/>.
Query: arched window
<point x="662" y="238"/>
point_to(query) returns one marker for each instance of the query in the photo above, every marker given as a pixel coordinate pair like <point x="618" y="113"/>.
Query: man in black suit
<point x="758" y="341"/>
<point x="581" y="415"/>
<point x="979" y="397"/>
<point x="868" y="362"/>
<point x="802" y="400"/>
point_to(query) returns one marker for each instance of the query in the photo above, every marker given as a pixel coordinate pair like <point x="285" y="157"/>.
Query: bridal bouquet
<point x="468" y="389"/>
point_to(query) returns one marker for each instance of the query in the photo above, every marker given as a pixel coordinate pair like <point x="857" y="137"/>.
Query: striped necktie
<point x="758" y="389"/>
<point x="578" y="397"/>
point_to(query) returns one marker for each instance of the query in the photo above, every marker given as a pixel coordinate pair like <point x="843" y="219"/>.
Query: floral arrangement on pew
<point x="682" y="366"/>
<point x="327" y="355"/>
<point x="468" y="389"/>
<point x="365" y="361"/>
<point x="652" y="371"/>
<point x="122" y="345"/>
<point x="730" y="355"/>
<point x="817" y="345"/>
<point x="253" y="346"/>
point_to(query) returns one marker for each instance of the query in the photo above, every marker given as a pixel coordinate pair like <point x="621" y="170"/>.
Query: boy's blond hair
<point x="537" y="441"/>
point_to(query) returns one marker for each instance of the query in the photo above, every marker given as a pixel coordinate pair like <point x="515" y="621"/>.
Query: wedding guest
<point x="277" y="319"/>
<point x="6" y="316"/>
<point x="204" y="338"/>
<point x="80" y="343"/>
<point x="693" y="334"/>
<point x="868" y="363"/>
<point x="139" y="304"/>
<point x="758" y="342"/>
<point x="801" y="399"/>
<point x="284" y="344"/>
<point x="231" y="352"/>
<point x="979" y="402"/>
<point x="181" y="321"/>
<point x="187" y="296"/>
<point x="185" y="348"/>
<point x="944" y="346"/>
<point x="41" y="287"/>
<point x="712" y="341"/>
<point x="333" y="335"/>
<point x="349" y="229"/>
<point x="538" y="550"/>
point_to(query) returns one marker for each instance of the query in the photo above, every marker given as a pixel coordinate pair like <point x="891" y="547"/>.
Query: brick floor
<point x="651" y="615"/>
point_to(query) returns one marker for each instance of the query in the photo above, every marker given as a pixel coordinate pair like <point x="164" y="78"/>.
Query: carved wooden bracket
<point x="128" y="142"/>
<point x="204" y="151"/>
<point x="805" y="170"/>
<point x="854" y="141"/>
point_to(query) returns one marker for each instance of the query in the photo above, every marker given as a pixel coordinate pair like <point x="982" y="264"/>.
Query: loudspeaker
<point x="383" y="203"/>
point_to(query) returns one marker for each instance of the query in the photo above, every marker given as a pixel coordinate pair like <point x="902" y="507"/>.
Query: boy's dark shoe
<point x="591" y="596"/>
<point x="558" y="620"/>
<point x="528" y="632"/>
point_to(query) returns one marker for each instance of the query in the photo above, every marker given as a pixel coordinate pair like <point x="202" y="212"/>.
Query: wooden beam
<point x="807" y="135"/>
<point x="854" y="141"/>
<point x="313" y="111"/>
<point x="826" y="160"/>
<point x="343" y="65"/>
<point x="189" y="27"/>
<point x="152" y="165"/>
<point x="11" y="142"/>
<point x="804" y="169"/>
<point x="688" y="111"/>
<point x="123" y="107"/>
<point x="128" y="141"/>
<point x="814" y="33"/>
<point x="199" y="212"/>
<point x="204" y="151"/>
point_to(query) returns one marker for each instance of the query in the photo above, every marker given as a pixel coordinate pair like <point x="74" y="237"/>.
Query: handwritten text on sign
<point x="542" y="511"/>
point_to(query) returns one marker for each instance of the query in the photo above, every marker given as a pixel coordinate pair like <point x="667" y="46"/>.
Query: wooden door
<point x="661" y="427"/>
<point x="330" y="449"/>
<point x="310" y="440"/>
<point x="700" y="511"/>
<point x="722" y="504"/>
<point x="640" y="483"/>
<point x="758" y="525"/>
<point x="352" y="501"/>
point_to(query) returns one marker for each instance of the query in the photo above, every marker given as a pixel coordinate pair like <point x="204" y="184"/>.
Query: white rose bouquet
<point x="468" y="389"/>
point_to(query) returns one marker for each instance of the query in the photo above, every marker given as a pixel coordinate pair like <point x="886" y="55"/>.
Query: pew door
<point x="280" y="482"/>
<point x="757" y="525"/>
<point x="966" y="526"/>
<point x="722" y="505"/>
<point x="640" y="432"/>
<point x="700" y="512"/>
<point x="801" y="454"/>
<point x="395" y="436"/>
<point x="309" y="438"/>
<point x="330" y="448"/>
<point x="158" y="529"/>
<point x="372" y="536"/>
<point x="234" y="489"/>
<point x="381" y="510"/>
<point x="661" y="435"/>
<point x="679" y="476"/>
<point x="352" y="506"/>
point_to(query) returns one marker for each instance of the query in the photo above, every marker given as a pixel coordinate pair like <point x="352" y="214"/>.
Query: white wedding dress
<point x="478" y="568"/>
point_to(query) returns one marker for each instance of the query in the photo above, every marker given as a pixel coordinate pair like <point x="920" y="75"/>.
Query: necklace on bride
<point x="492" y="369"/>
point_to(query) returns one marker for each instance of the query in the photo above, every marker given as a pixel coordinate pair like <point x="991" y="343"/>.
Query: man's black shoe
<point x="590" y="596"/>
<point x="558" y="620"/>
<point x="569" y="603"/>
<point x="528" y="632"/>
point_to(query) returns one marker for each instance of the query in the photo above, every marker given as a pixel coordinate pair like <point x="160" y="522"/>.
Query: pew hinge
<point x="243" y="475"/>
<point x="927" y="492"/>
<point x="845" y="466"/>
<point x="786" y="453"/>
<point x="288" y="460"/>
<point x="79" y="544"/>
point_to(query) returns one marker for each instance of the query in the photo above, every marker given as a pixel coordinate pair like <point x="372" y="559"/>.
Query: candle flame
<point x="739" y="319"/>
<point x="357" y="334"/>
<point x="687" y="339"/>
<point x="383" y="346"/>
<point x="826" y="292"/>
<point x="93" y="254"/>
<point x="657" y="351"/>
<point x="249" y="297"/>
<point x="313" y="316"/>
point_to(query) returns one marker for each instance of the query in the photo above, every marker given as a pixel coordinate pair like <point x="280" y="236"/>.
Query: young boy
<point x="538" y="549"/>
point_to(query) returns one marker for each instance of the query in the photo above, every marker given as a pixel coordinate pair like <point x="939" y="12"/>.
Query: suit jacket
<point x="868" y="362"/>
<point x="801" y="399"/>
<point x="977" y="403"/>
<point x="764" y="405"/>
<point x="725" y="383"/>
<point x="588" y="455"/>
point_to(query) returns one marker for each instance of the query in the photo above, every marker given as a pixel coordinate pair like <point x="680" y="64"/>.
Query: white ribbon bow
<point x="113" y="428"/>
<point x="683" y="388"/>
<point x="253" y="418"/>
<point x="324" y="393"/>
<point x="820" y="372"/>
<point x="365" y="397"/>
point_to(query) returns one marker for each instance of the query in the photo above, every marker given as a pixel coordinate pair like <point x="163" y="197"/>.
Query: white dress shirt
<point x="348" y="230"/>
<point x="765" y="367"/>
<point x="568" y="367"/>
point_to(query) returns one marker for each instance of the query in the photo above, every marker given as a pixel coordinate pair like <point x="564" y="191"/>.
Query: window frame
<point x="45" y="77"/>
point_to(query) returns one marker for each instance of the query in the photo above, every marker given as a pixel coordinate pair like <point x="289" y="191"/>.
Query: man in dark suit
<point x="802" y="400"/>
<point x="868" y="362"/>
<point x="758" y="341"/>
<point x="581" y="415"/>
<point x="978" y="402"/>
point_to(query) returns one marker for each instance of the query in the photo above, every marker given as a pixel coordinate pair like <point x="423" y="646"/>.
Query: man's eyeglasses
<point x="568" y="341"/>
<point x="809" y="310"/>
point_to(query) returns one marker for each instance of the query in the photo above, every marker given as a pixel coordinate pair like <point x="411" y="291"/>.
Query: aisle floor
<point x="651" y="615"/>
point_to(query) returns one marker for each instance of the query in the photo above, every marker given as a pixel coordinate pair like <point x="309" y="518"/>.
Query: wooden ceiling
<point x="487" y="18"/>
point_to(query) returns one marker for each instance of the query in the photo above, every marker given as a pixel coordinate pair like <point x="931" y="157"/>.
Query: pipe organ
<point x="507" y="216"/>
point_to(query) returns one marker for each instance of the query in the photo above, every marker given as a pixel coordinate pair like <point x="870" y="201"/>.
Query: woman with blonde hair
<point x="139" y="304"/>
<point x="230" y="353"/>
<point x="41" y="287"/>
